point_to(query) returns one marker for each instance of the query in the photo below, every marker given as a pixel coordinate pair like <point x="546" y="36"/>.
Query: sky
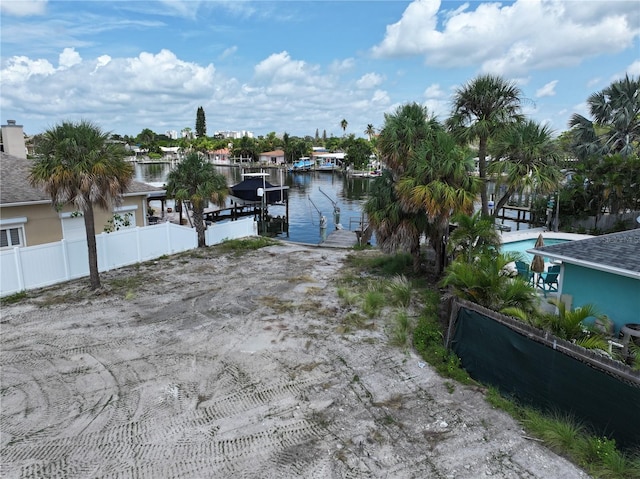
<point x="299" y="66"/>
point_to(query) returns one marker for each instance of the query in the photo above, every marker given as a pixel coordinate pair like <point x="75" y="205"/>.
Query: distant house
<point x="602" y="270"/>
<point x="219" y="157"/>
<point x="275" y="157"/>
<point x="28" y="218"/>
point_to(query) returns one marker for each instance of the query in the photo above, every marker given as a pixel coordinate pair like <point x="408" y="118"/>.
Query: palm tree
<point x="616" y="125"/>
<point x="404" y="130"/>
<point x="487" y="282"/>
<point x="79" y="166"/>
<point x="526" y="158"/>
<point x="370" y="131"/>
<point x="438" y="181"/>
<point x="343" y="125"/>
<point x="198" y="182"/>
<point x="396" y="229"/>
<point x="473" y="236"/>
<point x="481" y="108"/>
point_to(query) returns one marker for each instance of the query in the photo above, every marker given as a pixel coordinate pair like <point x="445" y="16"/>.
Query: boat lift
<point x="323" y="219"/>
<point x="336" y="210"/>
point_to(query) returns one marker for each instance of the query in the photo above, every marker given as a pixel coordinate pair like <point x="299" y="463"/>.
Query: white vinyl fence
<point x="43" y="265"/>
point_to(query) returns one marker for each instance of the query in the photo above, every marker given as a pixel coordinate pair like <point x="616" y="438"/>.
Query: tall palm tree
<point x="481" y="108"/>
<point x="396" y="229"/>
<point x="370" y="131"/>
<point x="526" y="158"/>
<point x="343" y="124"/>
<point x="79" y="166"/>
<point x="197" y="181"/>
<point x="404" y="130"/>
<point x="438" y="181"/>
<point x="616" y="125"/>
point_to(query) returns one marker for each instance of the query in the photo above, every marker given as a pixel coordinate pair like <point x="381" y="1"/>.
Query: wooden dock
<point x="340" y="239"/>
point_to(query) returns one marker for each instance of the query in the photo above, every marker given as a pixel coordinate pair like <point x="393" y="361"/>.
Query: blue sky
<point x="298" y="66"/>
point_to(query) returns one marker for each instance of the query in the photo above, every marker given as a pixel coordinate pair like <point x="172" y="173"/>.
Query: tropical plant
<point x="78" y="165"/>
<point x="404" y="130"/>
<point x="370" y="131"/>
<point x="482" y="108"/>
<point x="438" y="181"/>
<point x="571" y="325"/>
<point x="397" y="230"/>
<point x="197" y="181"/>
<point x="472" y="237"/>
<point x="343" y="124"/>
<point x="525" y="159"/>
<point x="616" y="121"/>
<point x="488" y="282"/>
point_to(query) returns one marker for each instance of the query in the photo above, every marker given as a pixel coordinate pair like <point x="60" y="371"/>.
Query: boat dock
<point x="340" y="239"/>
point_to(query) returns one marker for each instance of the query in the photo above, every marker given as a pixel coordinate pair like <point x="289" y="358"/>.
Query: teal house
<point x="602" y="270"/>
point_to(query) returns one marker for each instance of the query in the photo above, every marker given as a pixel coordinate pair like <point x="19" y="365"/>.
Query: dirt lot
<point x="234" y="367"/>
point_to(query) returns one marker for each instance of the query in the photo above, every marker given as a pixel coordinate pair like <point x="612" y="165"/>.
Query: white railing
<point x="43" y="265"/>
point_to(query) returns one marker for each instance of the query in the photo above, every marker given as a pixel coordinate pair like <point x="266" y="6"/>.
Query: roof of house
<point x="617" y="253"/>
<point x="273" y="153"/>
<point x="16" y="189"/>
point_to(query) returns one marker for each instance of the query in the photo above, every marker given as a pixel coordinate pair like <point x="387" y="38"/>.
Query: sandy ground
<point x="232" y="366"/>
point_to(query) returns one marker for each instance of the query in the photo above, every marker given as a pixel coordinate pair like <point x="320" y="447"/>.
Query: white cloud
<point x="434" y="91"/>
<point x="512" y="39"/>
<point x="547" y="90"/>
<point x="634" y="68"/>
<point x="69" y="57"/>
<point x="23" y="8"/>
<point x="369" y="80"/>
<point x="228" y="52"/>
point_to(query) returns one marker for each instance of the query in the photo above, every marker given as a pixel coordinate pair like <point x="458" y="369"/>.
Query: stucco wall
<point x="616" y="296"/>
<point x="45" y="226"/>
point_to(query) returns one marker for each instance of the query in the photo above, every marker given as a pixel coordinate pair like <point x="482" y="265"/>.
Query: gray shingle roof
<point x="614" y="251"/>
<point x="15" y="187"/>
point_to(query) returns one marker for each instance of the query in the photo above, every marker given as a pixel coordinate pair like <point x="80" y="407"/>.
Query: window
<point x="12" y="232"/>
<point x="11" y="237"/>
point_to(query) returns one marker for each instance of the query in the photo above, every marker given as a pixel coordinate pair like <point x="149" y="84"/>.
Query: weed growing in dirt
<point x="13" y="298"/>
<point x="373" y="302"/>
<point x="128" y="283"/>
<point x="246" y="244"/>
<point x="400" y="291"/>
<point x="401" y="329"/>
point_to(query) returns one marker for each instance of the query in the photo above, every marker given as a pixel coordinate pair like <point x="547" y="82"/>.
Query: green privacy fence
<point x="548" y="373"/>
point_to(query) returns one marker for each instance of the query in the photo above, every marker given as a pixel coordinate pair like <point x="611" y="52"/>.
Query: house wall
<point x="44" y="224"/>
<point x="616" y="296"/>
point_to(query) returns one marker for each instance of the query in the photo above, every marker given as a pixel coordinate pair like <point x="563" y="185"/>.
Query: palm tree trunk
<point x="482" y="171"/>
<point x="89" y="226"/>
<point x="198" y="220"/>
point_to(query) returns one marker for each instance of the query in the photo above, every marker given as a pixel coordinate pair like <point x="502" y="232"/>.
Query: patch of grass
<point x="381" y="264"/>
<point x="429" y="342"/>
<point x="373" y="303"/>
<point x="599" y="456"/>
<point x="246" y="244"/>
<point x="450" y="387"/>
<point x="400" y="290"/>
<point x="353" y="321"/>
<point x="128" y="283"/>
<point x="13" y="298"/>
<point x="65" y="298"/>
<point x="347" y="297"/>
<point x="401" y="329"/>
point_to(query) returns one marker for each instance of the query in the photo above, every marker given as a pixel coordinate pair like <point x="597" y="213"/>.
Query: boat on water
<point x="254" y="186"/>
<point x="303" y="164"/>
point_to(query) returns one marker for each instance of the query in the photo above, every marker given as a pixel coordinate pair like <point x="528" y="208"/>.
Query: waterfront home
<point x="601" y="270"/>
<point x="275" y="157"/>
<point x="28" y="218"/>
